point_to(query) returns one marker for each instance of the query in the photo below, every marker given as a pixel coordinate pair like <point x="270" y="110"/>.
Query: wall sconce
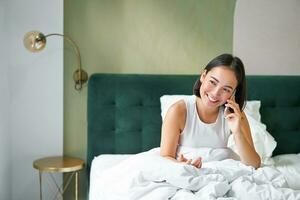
<point x="35" y="41"/>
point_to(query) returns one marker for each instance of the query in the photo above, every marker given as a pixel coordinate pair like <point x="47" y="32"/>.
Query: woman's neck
<point x="205" y="114"/>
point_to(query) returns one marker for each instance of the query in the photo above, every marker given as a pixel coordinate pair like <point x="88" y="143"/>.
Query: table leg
<point x="40" y="180"/>
<point x="76" y="185"/>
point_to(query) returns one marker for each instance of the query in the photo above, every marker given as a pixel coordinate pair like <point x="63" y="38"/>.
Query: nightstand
<point x="59" y="164"/>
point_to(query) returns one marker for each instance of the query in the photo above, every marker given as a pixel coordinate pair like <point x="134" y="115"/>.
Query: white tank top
<point x="199" y="134"/>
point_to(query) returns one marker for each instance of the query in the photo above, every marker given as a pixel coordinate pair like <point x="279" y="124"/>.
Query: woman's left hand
<point x="233" y="119"/>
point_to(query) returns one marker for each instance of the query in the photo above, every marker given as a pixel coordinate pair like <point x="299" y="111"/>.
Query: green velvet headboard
<point x="124" y="110"/>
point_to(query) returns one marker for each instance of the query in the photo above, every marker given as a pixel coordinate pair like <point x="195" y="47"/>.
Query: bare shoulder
<point x="177" y="108"/>
<point x="177" y="113"/>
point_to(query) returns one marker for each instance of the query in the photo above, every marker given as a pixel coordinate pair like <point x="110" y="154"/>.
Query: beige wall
<point x="138" y="36"/>
<point x="267" y="36"/>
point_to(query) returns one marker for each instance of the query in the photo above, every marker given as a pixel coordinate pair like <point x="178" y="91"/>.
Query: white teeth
<point x="211" y="99"/>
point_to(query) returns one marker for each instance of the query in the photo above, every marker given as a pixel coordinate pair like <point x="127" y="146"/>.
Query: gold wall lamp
<point x="35" y="41"/>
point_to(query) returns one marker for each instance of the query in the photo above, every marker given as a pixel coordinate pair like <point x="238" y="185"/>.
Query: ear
<point x="202" y="76"/>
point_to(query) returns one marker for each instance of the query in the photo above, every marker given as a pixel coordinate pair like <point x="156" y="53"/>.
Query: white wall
<point x="267" y="36"/>
<point x="5" y="152"/>
<point x="36" y="88"/>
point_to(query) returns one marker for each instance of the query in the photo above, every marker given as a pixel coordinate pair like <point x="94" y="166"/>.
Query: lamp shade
<point x="34" y="41"/>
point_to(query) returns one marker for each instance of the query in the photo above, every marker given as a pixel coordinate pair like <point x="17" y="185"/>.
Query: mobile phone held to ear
<point x="228" y="109"/>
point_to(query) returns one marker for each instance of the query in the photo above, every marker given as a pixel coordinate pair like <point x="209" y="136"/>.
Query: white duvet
<point x="149" y="176"/>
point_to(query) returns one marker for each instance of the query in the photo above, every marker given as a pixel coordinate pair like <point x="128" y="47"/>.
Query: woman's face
<point x="217" y="86"/>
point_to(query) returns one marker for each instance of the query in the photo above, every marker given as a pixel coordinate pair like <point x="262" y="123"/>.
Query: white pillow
<point x="252" y="109"/>
<point x="166" y="101"/>
<point x="263" y="141"/>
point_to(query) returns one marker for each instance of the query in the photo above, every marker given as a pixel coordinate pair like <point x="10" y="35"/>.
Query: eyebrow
<point x="227" y="86"/>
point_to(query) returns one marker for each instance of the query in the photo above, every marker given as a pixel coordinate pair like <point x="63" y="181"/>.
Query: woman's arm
<point x="172" y="126"/>
<point x="245" y="145"/>
<point x="239" y="126"/>
<point x="171" y="129"/>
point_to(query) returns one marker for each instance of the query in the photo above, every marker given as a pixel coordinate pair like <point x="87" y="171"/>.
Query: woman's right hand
<point x="196" y="163"/>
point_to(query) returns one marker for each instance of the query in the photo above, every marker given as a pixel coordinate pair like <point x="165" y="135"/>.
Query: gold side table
<point x="62" y="164"/>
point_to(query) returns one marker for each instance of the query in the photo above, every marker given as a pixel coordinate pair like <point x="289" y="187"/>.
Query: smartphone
<point x="228" y="109"/>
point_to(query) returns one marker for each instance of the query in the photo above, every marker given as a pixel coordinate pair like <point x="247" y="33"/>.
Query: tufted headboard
<point x="124" y="110"/>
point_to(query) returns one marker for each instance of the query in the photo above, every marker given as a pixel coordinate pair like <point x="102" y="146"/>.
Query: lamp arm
<point x="80" y="76"/>
<point x="73" y="44"/>
<point x="35" y="41"/>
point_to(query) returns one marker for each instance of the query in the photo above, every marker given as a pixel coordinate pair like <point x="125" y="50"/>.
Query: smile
<point x="213" y="100"/>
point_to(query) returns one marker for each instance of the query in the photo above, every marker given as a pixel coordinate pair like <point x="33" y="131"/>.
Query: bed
<point x="124" y="118"/>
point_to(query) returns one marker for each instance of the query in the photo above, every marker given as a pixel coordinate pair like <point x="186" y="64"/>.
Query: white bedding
<point x="149" y="176"/>
<point x="289" y="166"/>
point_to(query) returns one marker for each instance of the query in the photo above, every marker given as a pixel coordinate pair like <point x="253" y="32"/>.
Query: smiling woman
<point x="202" y="121"/>
<point x="125" y="118"/>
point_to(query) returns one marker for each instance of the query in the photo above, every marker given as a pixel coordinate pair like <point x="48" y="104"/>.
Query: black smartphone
<point x="228" y="109"/>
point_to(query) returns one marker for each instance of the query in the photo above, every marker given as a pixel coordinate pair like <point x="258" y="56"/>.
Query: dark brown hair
<point x="237" y="66"/>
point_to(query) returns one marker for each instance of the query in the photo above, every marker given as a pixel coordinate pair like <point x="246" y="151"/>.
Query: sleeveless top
<point x="197" y="134"/>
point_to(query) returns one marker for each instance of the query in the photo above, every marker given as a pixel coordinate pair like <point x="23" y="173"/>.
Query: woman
<point x="215" y="113"/>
